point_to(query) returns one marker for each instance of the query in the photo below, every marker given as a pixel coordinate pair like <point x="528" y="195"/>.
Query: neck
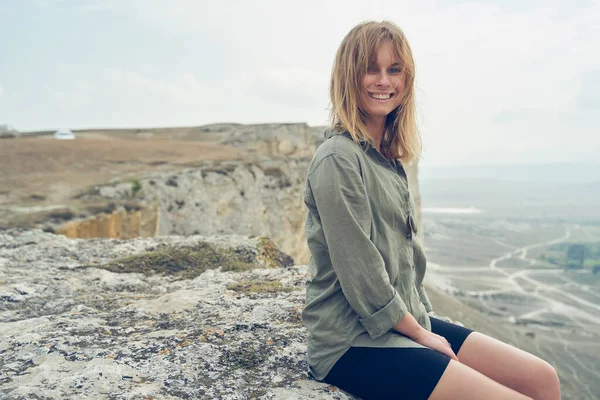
<point x="375" y="130"/>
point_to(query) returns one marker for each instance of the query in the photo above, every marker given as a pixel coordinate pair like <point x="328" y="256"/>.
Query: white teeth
<point x="380" y="96"/>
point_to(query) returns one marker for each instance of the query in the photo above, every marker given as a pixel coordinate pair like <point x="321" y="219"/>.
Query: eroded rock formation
<point x="122" y="223"/>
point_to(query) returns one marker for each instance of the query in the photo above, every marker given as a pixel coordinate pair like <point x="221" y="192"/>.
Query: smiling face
<point x="383" y="84"/>
<point x="372" y="89"/>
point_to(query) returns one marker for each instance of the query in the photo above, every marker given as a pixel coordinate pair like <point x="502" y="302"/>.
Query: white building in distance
<point x="64" y="134"/>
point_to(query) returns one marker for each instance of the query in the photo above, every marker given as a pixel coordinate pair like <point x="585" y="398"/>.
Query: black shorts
<point x="396" y="373"/>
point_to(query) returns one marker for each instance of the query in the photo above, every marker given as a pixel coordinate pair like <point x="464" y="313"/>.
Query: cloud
<point x="133" y="98"/>
<point x="588" y="97"/>
<point x="480" y="55"/>
<point x="184" y="90"/>
<point x="490" y="77"/>
<point x="294" y="87"/>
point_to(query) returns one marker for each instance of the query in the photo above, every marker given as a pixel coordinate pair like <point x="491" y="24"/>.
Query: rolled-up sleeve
<point x="344" y="211"/>
<point x="424" y="299"/>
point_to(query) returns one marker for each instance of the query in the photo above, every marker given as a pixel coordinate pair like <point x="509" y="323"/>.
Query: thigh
<point x="509" y="365"/>
<point x="460" y="381"/>
<point x="388" y="373"/>
<point x="454" y="334"/>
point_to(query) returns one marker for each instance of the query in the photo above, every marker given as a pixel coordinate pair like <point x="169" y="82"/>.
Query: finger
<point x="449" y="348"/>
<point x="446" y="350"/>
<point x="445" y="341"/>
<point x="449" y="352"/>
<point x="452" y="355"/>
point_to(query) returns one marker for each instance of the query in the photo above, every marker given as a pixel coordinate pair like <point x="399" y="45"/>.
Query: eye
<point x="395" y="70"/>
<point x="371" y="69"/>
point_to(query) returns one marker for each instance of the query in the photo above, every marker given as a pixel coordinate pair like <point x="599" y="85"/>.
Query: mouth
<point x="380" y="96"/>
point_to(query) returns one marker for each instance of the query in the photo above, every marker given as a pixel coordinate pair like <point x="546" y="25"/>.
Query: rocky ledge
<point x="213" y="317"/>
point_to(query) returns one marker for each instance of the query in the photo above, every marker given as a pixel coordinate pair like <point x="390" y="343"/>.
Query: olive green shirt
<point x="366" y="264"/>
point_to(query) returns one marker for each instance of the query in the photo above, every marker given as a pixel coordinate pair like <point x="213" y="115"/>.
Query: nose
<point x="384" y="80"/>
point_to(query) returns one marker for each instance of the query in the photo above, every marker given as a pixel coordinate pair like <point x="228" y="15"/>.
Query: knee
<point x="547" y="384"/>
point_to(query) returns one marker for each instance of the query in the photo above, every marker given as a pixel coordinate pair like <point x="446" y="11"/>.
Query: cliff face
<point x="119" y="224"/>
<point x="258" y="197"/>
<point x="170" y="317"/>
<point x="261" y="198"/>
<point x="289" y="140"/>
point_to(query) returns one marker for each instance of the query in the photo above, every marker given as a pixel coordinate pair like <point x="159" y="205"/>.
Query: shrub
<point x="183" y="263"/>
<point x="136" y="186"/>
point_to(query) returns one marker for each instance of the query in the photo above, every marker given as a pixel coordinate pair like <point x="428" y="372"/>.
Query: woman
<point x="366" y="308"/>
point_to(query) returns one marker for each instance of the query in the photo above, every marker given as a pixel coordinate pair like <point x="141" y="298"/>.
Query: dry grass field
<point x="43" y="171"/>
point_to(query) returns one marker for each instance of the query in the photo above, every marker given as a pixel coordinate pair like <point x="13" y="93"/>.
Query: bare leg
<point x="510" y="366"/>
<point x="460" y="382"/>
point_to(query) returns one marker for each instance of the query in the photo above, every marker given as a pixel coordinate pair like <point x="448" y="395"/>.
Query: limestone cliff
<point x="290" y="140"/>
<point x="121" y="223"/>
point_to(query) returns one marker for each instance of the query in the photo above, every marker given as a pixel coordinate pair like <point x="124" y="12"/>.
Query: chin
<point x="379" y="112"/>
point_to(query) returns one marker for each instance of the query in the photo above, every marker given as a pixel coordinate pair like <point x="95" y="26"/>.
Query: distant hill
<point x="576" y="202"/>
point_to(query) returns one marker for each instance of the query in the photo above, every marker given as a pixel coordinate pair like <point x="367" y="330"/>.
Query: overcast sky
<point x="498" y="81"/>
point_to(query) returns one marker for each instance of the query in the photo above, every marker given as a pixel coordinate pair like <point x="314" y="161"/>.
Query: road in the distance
<point x="523" y="283"/>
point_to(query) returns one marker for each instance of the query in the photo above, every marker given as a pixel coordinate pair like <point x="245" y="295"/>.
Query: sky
<point x="501" y="82"/>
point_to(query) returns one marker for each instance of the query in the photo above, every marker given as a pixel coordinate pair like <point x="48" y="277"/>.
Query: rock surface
<point x="250" y="198"/>
<point x="73" y="329"/>
<point x="278" y="139"/>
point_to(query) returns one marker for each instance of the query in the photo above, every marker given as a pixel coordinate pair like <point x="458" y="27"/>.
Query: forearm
<point x="409" y="326"/>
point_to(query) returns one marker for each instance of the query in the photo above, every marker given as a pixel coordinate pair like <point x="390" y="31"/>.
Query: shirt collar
<point x="332" y="132"/>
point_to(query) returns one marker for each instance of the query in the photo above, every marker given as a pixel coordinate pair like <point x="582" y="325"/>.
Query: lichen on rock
<point x="257" y="286"/>
<point x="127" y="327"/>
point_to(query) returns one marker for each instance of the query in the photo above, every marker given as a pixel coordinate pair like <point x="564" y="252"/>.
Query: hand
<point x="435" y="342"/>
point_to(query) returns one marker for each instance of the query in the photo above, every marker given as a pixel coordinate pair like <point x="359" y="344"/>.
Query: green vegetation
<point x="574" y="256"/>
<point x="136" y="186"/>
<point x="248" y="287"/>
<point x="181" y="262"/>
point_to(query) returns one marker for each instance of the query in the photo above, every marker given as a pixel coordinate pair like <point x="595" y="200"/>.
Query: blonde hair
<point x="401" y="137"/>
